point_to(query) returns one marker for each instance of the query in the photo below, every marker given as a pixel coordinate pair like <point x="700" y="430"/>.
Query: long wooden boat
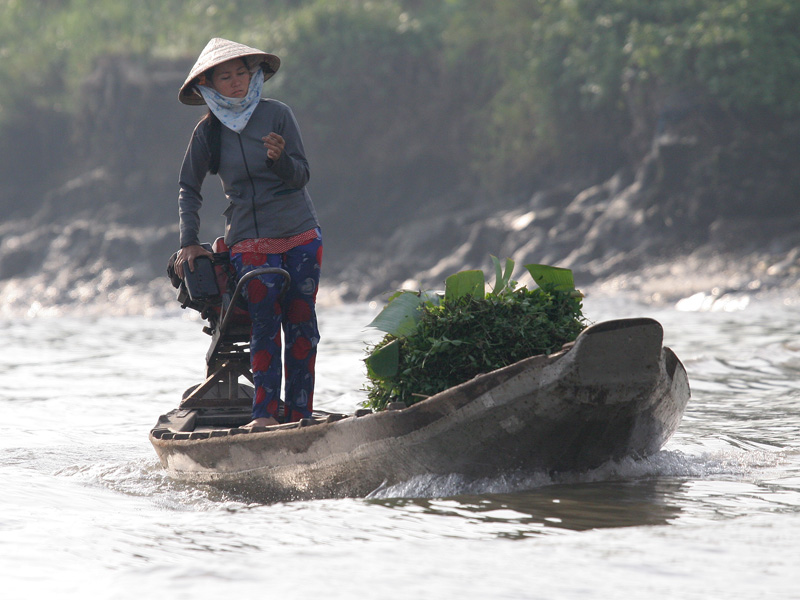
<point x="615" y="392"/>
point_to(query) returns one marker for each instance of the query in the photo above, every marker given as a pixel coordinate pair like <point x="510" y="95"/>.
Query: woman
<point x="254" y="145"/>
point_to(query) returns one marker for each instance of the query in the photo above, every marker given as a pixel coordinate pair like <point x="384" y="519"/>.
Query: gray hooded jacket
<point x="267" y="199"/>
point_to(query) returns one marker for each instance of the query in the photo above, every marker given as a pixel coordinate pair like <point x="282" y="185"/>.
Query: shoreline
<point x="701" y="280"/>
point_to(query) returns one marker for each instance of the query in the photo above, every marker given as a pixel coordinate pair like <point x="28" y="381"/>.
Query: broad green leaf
<point x="384" y="362"/>
<point x="498" y="272"/>
<point x="501" y="279"/>
<point x="400" y="316"/>
<point x="465" y="283"/>
<point x="560" y="278"/>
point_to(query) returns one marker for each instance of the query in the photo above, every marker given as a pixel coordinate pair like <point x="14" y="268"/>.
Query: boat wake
<point x="145" y="478"/>
<point x="666" y="464"/>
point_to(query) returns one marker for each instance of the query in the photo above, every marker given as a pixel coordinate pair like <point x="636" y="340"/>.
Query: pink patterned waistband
<point x="274" y="245"/>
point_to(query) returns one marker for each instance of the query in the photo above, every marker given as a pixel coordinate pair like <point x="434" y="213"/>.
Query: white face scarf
<point x="234" y="113"/>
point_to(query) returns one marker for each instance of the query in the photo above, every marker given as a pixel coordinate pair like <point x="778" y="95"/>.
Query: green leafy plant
<point x="434" y="341"/>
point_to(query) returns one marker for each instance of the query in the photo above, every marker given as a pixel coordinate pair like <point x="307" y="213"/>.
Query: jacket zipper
<point x="252" y="185"/>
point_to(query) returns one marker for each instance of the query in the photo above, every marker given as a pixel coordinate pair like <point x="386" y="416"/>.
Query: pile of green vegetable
<point x="436" y="341"/>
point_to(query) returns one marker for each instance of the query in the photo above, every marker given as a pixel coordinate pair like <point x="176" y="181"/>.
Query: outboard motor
<point x="213" y="290"/>
<point x="209" y="288"/>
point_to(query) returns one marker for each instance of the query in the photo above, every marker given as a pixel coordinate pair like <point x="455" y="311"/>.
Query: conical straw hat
<point x="216" y="52"/>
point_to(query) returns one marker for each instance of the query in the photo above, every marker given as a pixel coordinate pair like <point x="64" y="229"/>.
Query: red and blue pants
<point x="295" y="314"/>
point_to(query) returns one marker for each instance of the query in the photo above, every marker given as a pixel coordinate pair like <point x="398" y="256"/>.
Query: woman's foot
<point x="260" y="422"/>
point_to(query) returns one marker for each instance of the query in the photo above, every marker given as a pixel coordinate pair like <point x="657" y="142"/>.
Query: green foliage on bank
<point x="435" y="342"/>
<point x="493" y="90"/>
<point x="48" y="47"/>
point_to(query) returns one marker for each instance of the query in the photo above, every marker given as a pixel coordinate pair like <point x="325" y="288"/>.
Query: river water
<point x="86" y="511"/>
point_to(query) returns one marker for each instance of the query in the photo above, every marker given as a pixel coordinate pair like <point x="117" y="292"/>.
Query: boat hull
<point x="616" y="392"/>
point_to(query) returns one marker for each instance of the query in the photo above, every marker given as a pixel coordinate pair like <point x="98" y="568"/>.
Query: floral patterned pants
<point x="295" y="314"/>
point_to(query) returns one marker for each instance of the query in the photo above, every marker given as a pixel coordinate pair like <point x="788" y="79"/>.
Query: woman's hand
<point x="274" y="145"/>
<point x="188" y="254"/>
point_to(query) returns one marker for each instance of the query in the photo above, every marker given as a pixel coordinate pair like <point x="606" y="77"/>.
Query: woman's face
<point x="231" y="79"/>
